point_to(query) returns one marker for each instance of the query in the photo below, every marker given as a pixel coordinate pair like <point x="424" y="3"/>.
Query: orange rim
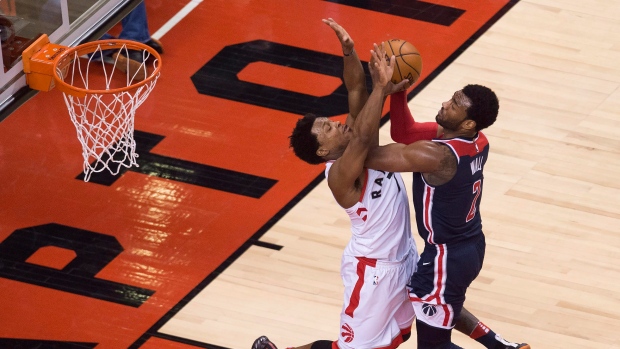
<point x="68" y="56"/>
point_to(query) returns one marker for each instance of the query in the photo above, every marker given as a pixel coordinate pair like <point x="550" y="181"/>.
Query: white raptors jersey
<point x="380" y="221"/>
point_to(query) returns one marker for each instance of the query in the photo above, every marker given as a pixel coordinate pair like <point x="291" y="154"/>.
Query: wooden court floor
<point x="222" y="235"/>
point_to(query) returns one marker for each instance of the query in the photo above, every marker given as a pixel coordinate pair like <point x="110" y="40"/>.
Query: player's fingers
<point x="403" y="85"/>
<point x="372" y="67"/>
<point x="378" y="53"/>
<point x="373" y="56"/>
<point x="382" y="48"/>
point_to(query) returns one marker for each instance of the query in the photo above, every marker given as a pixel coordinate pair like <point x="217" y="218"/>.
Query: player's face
<point x="453" y="112"/>
<point x="333" y="136"/>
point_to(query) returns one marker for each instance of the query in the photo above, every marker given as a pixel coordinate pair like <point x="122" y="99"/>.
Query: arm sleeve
<point x="404" y="129"/>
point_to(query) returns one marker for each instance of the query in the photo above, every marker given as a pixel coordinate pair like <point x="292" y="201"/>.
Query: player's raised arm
<point x="403" y="127"/>
<point x="353" y="72"/>
<point x="348" y="168"/>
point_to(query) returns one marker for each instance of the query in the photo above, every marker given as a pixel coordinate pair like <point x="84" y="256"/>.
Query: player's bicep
<point x="420" y="156"/>
<point x="387" y="158"/>
<point x="344" y="173"/>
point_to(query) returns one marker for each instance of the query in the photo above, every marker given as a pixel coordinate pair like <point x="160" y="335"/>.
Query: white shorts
<point x="377" y="310"/>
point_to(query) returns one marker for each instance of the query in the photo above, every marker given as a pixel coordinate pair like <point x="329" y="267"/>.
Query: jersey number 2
<point x="476" y="190"/>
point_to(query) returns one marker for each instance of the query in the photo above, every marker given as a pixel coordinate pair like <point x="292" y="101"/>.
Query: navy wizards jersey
<point x="451" y="212"/>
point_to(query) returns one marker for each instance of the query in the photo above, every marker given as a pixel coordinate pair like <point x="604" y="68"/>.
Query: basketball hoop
<point x="101" y="92"/>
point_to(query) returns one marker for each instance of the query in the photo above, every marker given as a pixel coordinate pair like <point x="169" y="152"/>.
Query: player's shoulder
<point x="434" y="147"/>
<point x="345" y="191"/>
<point x="482" y="139"/>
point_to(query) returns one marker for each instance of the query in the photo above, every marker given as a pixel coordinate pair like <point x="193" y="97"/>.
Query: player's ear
<point x="322" y="152"/>
<point x="469" y="124"/>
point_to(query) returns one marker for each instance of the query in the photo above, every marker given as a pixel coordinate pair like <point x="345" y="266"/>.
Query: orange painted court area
<point x="174" y="235"/>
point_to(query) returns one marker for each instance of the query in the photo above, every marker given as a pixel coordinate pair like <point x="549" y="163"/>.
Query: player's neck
<point x="459" y="133"/>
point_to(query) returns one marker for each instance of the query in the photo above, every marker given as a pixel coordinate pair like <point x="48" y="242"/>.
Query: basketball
<point x="408" y="60"/>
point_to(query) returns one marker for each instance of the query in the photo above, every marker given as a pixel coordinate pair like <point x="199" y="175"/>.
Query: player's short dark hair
<point x="484" y="107"/>
<point x="304" y="142"/>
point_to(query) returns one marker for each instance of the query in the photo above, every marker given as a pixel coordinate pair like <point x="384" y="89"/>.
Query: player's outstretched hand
<point x="380" y="69"/>
<point x="393" y="88"/>
<point x="344" y="37"/>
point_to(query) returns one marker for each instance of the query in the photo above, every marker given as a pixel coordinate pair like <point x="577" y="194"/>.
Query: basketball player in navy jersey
<point x="318" y="140"/>
<point x="404" y="129"/>
<point x="447" y="189"/>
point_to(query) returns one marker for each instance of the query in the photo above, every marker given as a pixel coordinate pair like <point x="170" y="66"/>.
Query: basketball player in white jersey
<point x="381" y="255"/>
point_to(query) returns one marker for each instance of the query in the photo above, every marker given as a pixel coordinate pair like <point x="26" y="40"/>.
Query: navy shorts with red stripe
<point x="445" y="272"/>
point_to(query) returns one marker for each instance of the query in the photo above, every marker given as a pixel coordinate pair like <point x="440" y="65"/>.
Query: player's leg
<point x="353" y="74"/>
<point x="438" y="289"/>
<point x="434" y="323"/>
<point x="430" y="337"/>
<point x="468" y="324"/>
<point x="136" y="27"/>
<point x="376" y="313"/>
<point x="469" y="263"/>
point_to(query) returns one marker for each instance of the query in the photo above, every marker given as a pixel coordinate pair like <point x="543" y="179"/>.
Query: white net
<point x="104" y="116"/>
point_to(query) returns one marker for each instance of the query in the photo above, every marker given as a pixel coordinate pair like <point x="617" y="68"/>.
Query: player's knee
<point x="322" y="344"/>
<point x="432" y="337"/>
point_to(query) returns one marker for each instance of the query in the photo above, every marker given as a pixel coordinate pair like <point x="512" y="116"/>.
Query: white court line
<point x="176" y="19"/>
